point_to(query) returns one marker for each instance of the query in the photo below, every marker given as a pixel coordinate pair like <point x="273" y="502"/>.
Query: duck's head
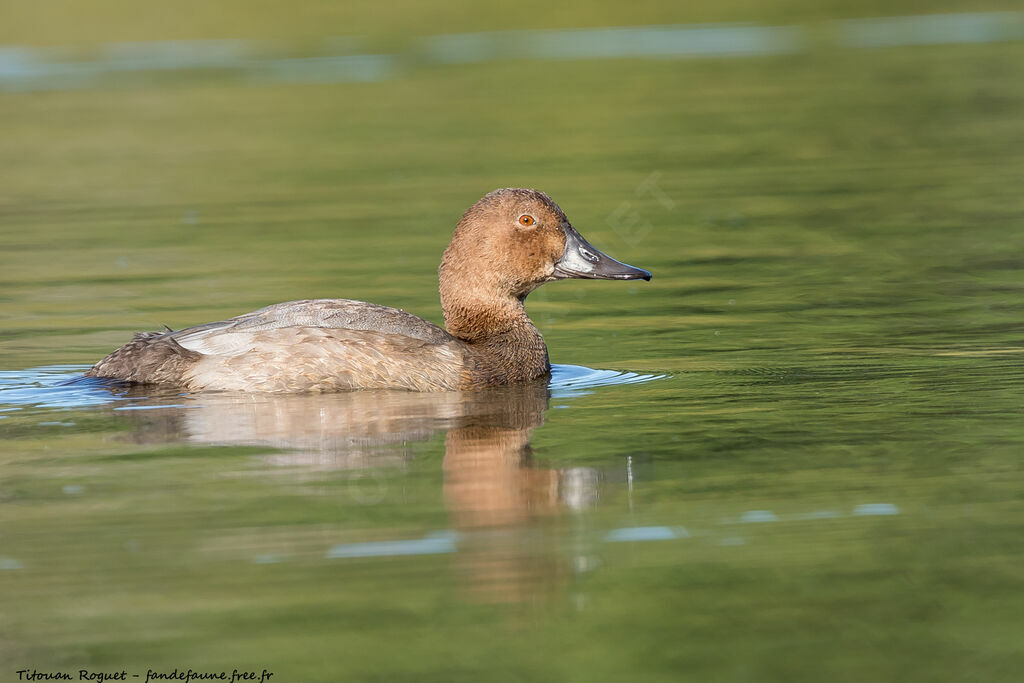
<point x="514" y="240"/>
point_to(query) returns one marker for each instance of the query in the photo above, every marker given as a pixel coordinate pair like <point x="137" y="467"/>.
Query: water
<point x="794" y="455"/>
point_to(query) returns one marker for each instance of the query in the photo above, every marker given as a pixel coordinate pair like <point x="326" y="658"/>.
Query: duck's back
<point x="336" y="314"/>
<point x="310" y="345"/>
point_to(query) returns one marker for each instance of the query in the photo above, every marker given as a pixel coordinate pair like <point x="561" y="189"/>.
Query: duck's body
<point x="340" y="344"/>
<point x="324" y="345"/>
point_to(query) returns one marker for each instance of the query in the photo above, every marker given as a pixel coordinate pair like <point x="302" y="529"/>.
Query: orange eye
<point x="526" y="219"/>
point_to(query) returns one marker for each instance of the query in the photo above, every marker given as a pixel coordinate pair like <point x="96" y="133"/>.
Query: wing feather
<point x="236" y="335"/>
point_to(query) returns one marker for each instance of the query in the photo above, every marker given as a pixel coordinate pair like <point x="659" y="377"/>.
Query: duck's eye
<point x="527" y="220"/>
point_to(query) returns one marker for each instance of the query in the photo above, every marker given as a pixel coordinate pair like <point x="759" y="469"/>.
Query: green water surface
<point x="820" y="480"/>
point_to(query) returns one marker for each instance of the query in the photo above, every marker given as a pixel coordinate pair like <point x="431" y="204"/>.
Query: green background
<point x="836" y="245"/>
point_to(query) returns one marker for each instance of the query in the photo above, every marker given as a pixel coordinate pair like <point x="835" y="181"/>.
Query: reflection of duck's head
<point x="489" y="477"/>
<point x="506" y="245"/>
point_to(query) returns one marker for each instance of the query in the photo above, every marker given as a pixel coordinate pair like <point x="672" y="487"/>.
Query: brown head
<point x="506" y="245"/>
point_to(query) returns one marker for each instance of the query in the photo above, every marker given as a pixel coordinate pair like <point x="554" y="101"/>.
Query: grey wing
<point x="233" y="335"/>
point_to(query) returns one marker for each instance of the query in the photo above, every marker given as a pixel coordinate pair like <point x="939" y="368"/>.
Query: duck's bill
<point x="582" y="260"/>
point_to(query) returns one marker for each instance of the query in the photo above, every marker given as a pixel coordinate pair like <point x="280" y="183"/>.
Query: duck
<point x="507" y="244"/>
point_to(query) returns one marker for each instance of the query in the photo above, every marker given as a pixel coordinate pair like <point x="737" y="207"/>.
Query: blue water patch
<point x="645" y="533"/>
<point x="933" y="29"/>
<point x="577" y="380"/>
<point x="446" y="541"/>
<point x="729" y="40"/>
<point x="758" y="516"/>
<point x="433" y="544"/>
<point x="762" y="516"/>
<point x="31" y="69"/>
<point x="339" y="61"/>
<point x="10" y="563"/>
<point x="334" y="69"/>
<point x="873" y="509"/>
<point x="52" y="386"/>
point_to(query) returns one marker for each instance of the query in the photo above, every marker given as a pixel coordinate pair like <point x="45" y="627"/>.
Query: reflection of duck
<point x="489" y="476"/>
<point x="506" y="245"/>
<point x="493" y="491"/>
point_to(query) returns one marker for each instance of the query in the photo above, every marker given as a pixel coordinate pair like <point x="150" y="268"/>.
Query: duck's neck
<point x="509" y="346"/>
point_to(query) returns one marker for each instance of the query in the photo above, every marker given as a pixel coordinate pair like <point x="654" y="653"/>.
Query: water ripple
<point x="52" y="386"/>
<point x="63" y="386"/>
<point x="578" y="380"/>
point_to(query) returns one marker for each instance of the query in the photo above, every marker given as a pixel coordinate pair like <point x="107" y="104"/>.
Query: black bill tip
<point x="582" y="260"/>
